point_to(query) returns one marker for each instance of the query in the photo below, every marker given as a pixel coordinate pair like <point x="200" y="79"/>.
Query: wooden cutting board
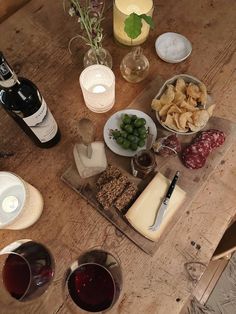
<point x="191" y="181"/>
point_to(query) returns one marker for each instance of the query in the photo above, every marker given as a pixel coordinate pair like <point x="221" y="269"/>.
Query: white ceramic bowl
<point x="187" y="78"/>
<point x="173" y="47"/>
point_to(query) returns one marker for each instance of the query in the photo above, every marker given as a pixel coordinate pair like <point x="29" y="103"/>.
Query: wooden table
<point x="35" y="41"/>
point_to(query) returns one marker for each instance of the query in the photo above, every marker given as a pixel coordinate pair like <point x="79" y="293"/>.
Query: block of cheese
<point x="88" y="167"/>
<point x="142" y="213"/>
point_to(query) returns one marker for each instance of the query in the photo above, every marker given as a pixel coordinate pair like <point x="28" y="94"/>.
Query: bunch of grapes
<point x="132" y="133"/>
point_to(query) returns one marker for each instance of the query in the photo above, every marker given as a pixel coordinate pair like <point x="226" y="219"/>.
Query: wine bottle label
<point x="42" y="123"/>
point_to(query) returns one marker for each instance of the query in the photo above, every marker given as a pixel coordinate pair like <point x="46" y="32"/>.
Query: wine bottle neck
<point x="8" y="77"/>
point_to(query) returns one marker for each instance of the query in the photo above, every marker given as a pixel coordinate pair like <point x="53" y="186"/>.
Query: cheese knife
<point x="164" y="204"/>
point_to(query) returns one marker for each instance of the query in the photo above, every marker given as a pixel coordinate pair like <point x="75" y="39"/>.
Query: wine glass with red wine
<point x="93" y="282"/>
<point x="27" y="270"/>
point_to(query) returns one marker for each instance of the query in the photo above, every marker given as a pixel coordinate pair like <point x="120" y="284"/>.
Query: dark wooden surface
<point x="35" y="41"/>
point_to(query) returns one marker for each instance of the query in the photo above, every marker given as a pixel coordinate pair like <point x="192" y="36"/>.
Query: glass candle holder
<point x="98" y="87"/>
<point x="121" y="10"/>
<point x="21" y="204"/>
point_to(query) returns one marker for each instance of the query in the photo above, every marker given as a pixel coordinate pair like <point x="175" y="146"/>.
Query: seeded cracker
<point x="110" y="173"/>
<point x="111" y="190"/>
<point x="126" y="197"/>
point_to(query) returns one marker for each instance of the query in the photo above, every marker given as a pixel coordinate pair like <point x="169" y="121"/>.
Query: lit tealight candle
<point x="123" y="8"/>
<point x="98" y="87"/>
<point x="10" y="204"/>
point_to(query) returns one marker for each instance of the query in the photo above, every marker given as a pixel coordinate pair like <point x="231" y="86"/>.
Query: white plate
<point x="173" y="47"/>
<point x="187" y="78"/>
<point x="114" y="123"/>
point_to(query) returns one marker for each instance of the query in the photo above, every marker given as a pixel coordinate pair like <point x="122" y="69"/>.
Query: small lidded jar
<point x="143" y="163"/>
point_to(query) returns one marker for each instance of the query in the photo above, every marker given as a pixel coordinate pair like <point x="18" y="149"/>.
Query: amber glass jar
<point x="143" y="163"/>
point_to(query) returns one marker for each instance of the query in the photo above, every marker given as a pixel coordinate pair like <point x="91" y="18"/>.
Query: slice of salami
<point x="202" y="147"/>
<point x="194" y="156"/>
<point x="215" y="137"/>
<point x="193" y="161"/>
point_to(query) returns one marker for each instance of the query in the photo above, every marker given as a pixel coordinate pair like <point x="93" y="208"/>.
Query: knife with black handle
<point x="164" y="204"/>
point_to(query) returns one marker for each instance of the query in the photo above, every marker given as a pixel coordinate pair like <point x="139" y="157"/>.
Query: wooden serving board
<point x="191" y="181"/>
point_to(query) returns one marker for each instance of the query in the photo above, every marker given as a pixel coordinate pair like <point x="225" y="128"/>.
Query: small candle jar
<point x="143" y="163"/>
<point x="98" y="87"/>
<point x="21" y="204"/>
<point x="121" y="10"/>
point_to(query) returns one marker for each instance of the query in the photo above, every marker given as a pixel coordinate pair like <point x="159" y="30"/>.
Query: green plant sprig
<point x="133" y="24"/>
<point x="90" y="25"/>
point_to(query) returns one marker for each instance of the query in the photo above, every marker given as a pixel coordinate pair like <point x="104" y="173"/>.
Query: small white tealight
<point x="10" y="204"/>
<point x="98" y="89"/>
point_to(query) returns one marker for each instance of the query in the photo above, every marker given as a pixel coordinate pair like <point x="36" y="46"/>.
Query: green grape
<point x="124" y="134"/>
<point x="128" y="128"/>
<point x="143" y="136"/>
<point x="120" y="140"/>
<point x="133" y="146"/>
<point x="141" y="143"/>
<point x="116" y="133"/>
<point x="126" y="119"/>
<point x="131" y="138"/>
<point x="133" y="117"/>
<point x="139" y="122"/>
<point x="142" y="130"/>
<point x="136" y="139"/>
<point x="126" y="144"/>
<point x="122" y="126"/>
<point x="143" y="121"/>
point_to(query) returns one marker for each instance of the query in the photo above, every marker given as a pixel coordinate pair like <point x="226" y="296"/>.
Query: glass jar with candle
<point x="98" y="87"/>
<point x="21" y="204"/>
<point x="121" y="10"/>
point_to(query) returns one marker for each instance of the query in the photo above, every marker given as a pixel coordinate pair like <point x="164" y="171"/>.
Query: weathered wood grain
<point x="35" y="41"/>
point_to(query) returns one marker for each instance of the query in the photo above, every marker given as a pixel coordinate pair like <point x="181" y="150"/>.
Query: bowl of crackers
<point x="183" y="105"/>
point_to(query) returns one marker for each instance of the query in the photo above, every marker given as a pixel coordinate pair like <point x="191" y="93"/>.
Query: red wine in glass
<point x="94" y="281"/>
<point x="27" y="269"/>
<point x="91" y="287"/>
<point x="16" y="275"/>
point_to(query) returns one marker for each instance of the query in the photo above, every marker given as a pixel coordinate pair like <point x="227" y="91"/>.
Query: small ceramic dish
<point x="173" y="47"/>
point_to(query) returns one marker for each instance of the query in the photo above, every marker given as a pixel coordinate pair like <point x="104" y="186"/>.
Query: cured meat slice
<point x="201" y="147"/>
<point x="216" y="137"/>
<point x="194" y="156"/>
<point x="193" y="161"/>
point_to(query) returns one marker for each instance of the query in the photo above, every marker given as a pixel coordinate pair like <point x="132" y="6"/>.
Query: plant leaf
<point x="148" y="19"/>
<point x="133" y="25"/>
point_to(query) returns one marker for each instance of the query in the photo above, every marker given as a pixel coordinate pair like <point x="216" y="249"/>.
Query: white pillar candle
<point x="121" y="10"/>
<point x="98" y="87"/>
<point x="21" y="204"/>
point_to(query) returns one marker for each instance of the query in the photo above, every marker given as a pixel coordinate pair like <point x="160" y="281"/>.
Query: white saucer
<point x="173" y="47"/>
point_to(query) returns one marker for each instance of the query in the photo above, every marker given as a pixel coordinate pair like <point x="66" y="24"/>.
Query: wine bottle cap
<point x="5" y="70"/>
